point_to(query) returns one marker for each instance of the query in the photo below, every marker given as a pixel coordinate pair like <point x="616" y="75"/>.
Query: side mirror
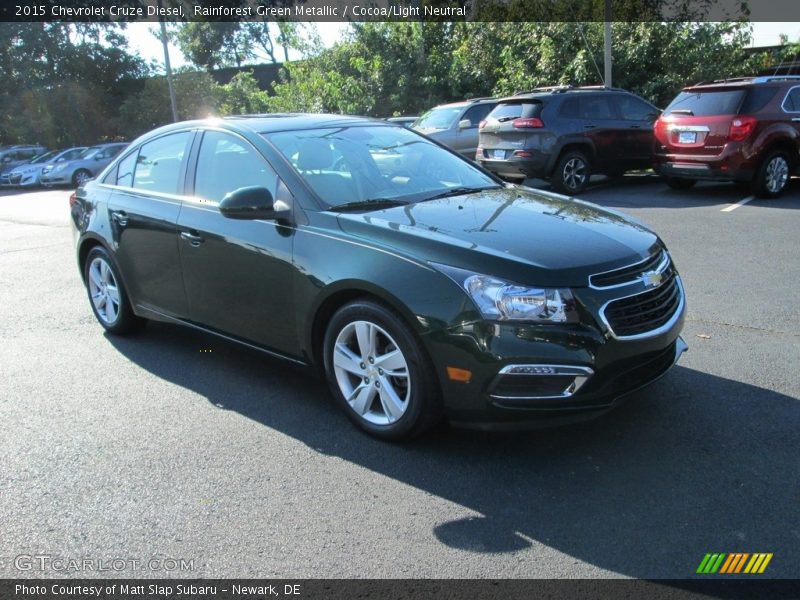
<point x="464" y="124"/>
<point x="251" y="203"/>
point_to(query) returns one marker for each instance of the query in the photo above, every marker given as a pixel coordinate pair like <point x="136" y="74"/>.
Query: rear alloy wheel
<point x="378" y="372"/>
<point x="679" y="183"/>
<point x="80" y="177"/>
<point x="107" y="295"/>
<point x="772" y="176"/>
<point x="572" y="173"/>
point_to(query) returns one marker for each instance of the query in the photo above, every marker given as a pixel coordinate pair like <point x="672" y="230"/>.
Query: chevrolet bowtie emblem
<point x="651" y="279"/>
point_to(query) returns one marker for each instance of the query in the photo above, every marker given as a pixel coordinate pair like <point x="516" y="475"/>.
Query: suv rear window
<point x="706" y="103"/>
<point x="506" y="111"/>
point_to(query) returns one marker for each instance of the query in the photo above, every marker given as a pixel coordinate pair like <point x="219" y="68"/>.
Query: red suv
<point x="745" y="130"/>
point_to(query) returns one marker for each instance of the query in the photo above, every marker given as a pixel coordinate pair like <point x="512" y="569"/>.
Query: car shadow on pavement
<point x="694" y="464"/>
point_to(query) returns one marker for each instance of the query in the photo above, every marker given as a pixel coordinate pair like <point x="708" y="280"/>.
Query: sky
<point x="142" y="40"/>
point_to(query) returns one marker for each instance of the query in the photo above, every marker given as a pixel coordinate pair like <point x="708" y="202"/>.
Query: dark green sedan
<point x="418" y="283"/>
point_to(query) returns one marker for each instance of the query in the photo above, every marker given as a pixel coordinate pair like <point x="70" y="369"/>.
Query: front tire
<point x="107" y="295"/>
<point x="572" y="173"/>
<point x="772" y="176"/>
<point x="379" y="373"/>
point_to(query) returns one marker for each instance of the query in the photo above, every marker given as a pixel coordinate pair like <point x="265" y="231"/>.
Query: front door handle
<point x="192" y="237"/>
<point x="636" y="127"/>
<point x="589" y="126"/>
<point x="120" y="216"/>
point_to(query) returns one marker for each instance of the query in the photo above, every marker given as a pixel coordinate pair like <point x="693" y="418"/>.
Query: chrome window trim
<point x="662" y="266"/>
<point x="696" y="128"/>
<point x="653" y="332"/>
<point x="152" y="195"/>
<point x="786" y="97"/>
<point x="581" y="376"/>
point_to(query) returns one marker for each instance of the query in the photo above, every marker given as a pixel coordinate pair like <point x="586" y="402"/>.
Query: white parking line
<point x="738" y="204"/>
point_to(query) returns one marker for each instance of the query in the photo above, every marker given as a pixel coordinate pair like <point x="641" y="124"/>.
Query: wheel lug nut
<point x="380" y="371"/>
<point x="366" y="379"/>
<point x="371" y="360"/>
<point x="363" y="366"/>
<point x="377" y="384"/>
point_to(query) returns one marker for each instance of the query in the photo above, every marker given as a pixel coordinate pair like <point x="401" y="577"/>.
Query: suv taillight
<point x="73" y="198"/>
<point x="741" y="127"/>
<point x="531" y="123"/>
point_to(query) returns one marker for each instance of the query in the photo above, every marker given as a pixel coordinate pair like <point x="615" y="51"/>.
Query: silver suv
<point x="456" y="125"/>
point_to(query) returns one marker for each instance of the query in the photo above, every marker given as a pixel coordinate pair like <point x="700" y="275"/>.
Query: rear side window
<point x="158" y="164"/>
<point x="569" y="109"/>
<point x="595" y="107"/>
<point x="792" y="101"/>
<point x="757" y="98"/>
<point x="516" y="110"/>
<point x="704" y="104"/>
<point x="125" y="170"/>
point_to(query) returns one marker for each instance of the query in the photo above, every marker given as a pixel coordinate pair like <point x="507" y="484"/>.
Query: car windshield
<point x="442" y="117"/>
<point x="355" y="164"/>
<point x="43" y="158"/>
<point x="89" y="152"/>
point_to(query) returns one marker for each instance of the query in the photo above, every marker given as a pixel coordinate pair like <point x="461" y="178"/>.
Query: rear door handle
<point x="796" y="120"/>
<point x="589" y="126"/>
<point x="192" y="237"/>
<point x="636" y="126"/>
<point x="120" y="216"/>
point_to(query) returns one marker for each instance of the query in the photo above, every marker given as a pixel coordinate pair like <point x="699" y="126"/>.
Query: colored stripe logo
<point x="733" y="563"/>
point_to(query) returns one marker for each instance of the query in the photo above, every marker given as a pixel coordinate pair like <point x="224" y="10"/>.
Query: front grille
<point x="15" y="178"/>
<point x="628" y="274"/>
<point x="647" y="311"/>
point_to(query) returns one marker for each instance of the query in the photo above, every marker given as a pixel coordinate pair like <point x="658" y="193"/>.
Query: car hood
<point x="516" y="233"/>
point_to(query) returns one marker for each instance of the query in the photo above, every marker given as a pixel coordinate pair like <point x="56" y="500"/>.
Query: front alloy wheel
<point x="379" y="372"/>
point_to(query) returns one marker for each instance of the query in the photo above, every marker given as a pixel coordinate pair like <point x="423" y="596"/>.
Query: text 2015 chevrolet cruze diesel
<point x="421" y="285"/>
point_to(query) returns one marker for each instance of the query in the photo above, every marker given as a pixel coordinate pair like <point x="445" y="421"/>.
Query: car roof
<point x="740" y="82"/>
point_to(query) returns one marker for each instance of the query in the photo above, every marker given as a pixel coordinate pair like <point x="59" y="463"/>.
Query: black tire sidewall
<point x="558" y="175"/>
<point x="423" y="403"/>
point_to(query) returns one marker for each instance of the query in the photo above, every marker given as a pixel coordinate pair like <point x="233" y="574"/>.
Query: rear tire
<point x="379" y="373"/>
<point x="772" y="176"/>
<point x="572" y="173"/>
<point x="107" y="295"/>
<point x="679" y="183"/>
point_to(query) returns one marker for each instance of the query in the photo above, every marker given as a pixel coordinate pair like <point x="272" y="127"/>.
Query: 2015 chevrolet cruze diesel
<point x="419" y="283"/>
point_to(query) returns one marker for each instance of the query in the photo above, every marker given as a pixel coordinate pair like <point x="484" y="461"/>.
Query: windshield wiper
<point x="371" y="203"/>
<point x="457" y="191"/>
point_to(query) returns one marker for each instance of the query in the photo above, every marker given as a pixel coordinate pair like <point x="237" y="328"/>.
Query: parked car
<point x="81" y="169"/>
<point x="404" y="121"/>
<point x="29" y="175"/>
<point x="565" y="134"/>
<point x="420" y="286"/>
<point x="745" y="130"/>
<point x="19" y="155"/>
<point x="456" y="125"/>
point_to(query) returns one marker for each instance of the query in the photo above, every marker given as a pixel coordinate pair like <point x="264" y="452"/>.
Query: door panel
<point x="237" y="273"/>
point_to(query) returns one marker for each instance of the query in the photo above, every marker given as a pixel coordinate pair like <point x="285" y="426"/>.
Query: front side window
<point x="158" y="164"/>
<point x="633" y="109"/>
<point x="227" y="163"/>
<point x="352" y="164"/>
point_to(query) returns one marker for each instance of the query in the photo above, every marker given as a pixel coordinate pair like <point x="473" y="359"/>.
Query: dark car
<point x="456" y="124"/>
<point x="81" y="169"/>
<point x="418" y="283"/>
<point x="565" y="134"/>
<point x="404" y="121"/>
<point x="745" y="130"/>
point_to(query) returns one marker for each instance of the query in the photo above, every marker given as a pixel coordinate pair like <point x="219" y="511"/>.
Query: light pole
<point x="167" y="65"/>
<point x="607" y="44"/>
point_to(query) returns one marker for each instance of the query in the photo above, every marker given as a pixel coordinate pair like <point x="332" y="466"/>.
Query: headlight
<point x="502" y="300"/>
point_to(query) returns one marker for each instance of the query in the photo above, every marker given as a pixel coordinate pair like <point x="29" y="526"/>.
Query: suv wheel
<point x="772" y="176"/>
<point x="572" y="173"/>
<point x="678" y="183"/>
<point x="379" y="373"/>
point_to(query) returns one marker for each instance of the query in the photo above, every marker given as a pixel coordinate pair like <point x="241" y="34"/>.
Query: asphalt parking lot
<point x="173" y="445"/>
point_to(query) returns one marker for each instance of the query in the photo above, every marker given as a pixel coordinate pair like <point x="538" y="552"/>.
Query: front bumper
<point x="577" y="371"/>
